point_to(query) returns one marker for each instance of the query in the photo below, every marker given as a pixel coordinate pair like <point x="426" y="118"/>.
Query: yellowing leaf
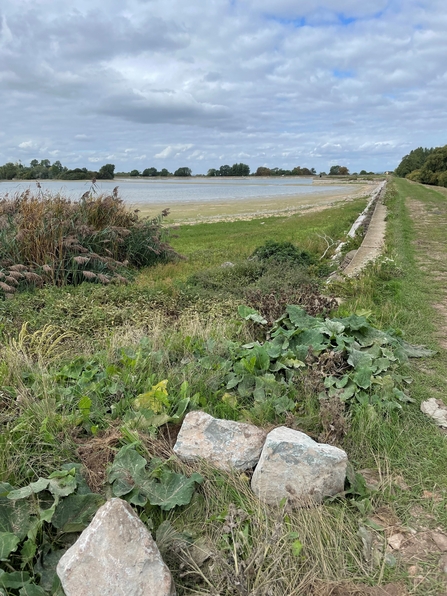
<point x="155" y="399"/>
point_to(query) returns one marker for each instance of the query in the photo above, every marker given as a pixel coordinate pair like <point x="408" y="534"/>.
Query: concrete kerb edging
<point x="372" y="244"/>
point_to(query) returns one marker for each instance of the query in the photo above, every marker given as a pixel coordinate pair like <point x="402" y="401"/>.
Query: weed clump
<point x="283" y="252"/>
<point x="47" y="239"/>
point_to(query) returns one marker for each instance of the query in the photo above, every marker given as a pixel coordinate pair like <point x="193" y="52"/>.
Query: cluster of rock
<point x="288" y="463"/>
<point x="116" y="554"/>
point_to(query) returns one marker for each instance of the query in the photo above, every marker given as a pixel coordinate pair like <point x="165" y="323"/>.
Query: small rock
<point x="437" y="410"/>
<point x="395" y="541"/>
<point x="227" y="264"/>
<point x="440" y="540"/>
<point x="295" y="467"/>
<point x="224" y="443"/>
<point x="114" y="555"/>
<point x="443" y="564"/>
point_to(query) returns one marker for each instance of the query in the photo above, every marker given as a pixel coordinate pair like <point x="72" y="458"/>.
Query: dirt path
<point x="430" y="222"/>
<point x="373" y="241"/>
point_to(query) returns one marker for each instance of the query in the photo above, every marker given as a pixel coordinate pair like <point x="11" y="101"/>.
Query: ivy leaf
<point x="8" y="544"/>
<point x="173" y="489"/>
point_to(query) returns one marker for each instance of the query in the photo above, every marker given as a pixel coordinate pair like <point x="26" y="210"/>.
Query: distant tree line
<point x="237" y="169"/>
<point x="428" y="166"/>
<point x="46" y="170"/>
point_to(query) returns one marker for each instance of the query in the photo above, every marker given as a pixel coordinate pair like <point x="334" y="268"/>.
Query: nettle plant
<point x="357" y="362"/>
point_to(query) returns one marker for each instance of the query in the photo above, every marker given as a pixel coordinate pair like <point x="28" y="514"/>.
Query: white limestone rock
<point x="115" y="555"/>
<point x="223" y="443"/>
<point x="295" y="467"/>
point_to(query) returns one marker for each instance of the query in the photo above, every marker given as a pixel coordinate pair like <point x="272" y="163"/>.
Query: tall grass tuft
<point x="50" y="239"/>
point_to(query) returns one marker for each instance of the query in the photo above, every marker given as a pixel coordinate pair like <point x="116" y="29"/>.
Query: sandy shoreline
<point x="197" y="212"/>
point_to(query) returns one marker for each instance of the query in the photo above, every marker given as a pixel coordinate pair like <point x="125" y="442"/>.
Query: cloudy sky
<point x="201" y="83"/>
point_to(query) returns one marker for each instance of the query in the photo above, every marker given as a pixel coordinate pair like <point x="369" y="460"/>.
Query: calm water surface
<point x="178" y="191"/>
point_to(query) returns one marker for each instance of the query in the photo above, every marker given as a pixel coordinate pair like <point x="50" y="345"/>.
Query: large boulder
<point x="115" y="555"/>
<point x="223" y="443"/>
<point x="295" y="467"/>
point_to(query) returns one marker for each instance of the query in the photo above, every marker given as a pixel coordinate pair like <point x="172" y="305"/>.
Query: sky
<point x="202" y="83"/>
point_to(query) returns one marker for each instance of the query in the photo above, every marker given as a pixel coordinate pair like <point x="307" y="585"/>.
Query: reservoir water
<point x="173" y="191"/>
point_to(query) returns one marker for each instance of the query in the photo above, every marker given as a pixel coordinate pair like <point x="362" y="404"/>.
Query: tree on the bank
<point x="263" y="171"/>
<point x="183" y="172"/>
<point x="134" y="173"/>
<point x="240" y="169"/>
<point x="413" y="161"/>
<point x="338" y="171"/>
<point x="106" y="172"/>
<point x="212" y="172"/>
<point x="150" y="172"/>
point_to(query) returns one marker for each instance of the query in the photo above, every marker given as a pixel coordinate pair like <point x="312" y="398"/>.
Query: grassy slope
<point x="401" y="294"/>
<point x="406" y="451"/>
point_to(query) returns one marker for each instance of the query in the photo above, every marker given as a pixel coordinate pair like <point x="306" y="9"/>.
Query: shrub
<point x="282" y="252"/>
<point x="49" y="239"/>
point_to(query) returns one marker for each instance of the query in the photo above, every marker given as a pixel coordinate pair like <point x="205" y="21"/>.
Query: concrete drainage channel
<point x="373" y="241"/>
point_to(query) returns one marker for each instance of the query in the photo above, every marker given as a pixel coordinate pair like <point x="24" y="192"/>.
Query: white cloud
<point x="219" y="82"/>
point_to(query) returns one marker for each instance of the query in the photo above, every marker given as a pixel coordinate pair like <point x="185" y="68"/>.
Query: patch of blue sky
<point x="343" y="20"/>
<point x="297" y="23"/>
<point x="343" y="74"/>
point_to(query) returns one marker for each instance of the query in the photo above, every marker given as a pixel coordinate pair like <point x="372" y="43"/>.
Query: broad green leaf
<point x="74" y="513"/>
<point x="173" y="489"/>
<point x="354" y="322"/>
<point x="32" y="590"/>
<point x="362" y="377"/>
<point x="62" y="486"/>
<point x="312" y="337"/>
<point x="15" y="517"/>
<point x="342" y="382"/>
<point x="128" y="469"/>
<point x="234" y="381"/>
<point x="413" y="351"/>
<point x="348" y="392"/>
<point x="331" y="328"/>
<point x="274" y="348"/>
<point x="28" y="551"/>
<point x="381" y="364"/>
<point x="358" y="359"/>
<point x="388" y="353"/>
<point x="26" y="491"/>
<point x="299" y="317"/>
<point x="262" y="358"/>
<point x="5" y="488"/>
<point x="181" y="408"/>
<point x="251" y="314"/>
<point x="46" y="568"/>
<point x="156" y="399"/>
<point x="8" y="544"/>
<point x="14" y="580"/>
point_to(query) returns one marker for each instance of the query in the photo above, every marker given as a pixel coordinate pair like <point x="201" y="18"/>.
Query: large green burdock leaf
<point x="171" y="490"/>
<point x="8" y="544"/>
<point x="15" y="517"/>
<point x="31" y="489"/>
<point x="362" y="377"/>
<point x="250" y="314"/>
<point x="299" y="317"/>
<point x="32" y="590"/>
<point x="127" y="470"/>
<point x="74" y="513"/>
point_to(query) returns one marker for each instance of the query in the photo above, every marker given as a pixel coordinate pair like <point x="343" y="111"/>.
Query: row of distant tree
<point x="56" y="171"/>
<point x="44" y="170"/>
<point x="428" y="166"/>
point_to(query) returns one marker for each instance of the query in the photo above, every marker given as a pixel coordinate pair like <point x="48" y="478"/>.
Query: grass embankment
<point x="175" y="324"/>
